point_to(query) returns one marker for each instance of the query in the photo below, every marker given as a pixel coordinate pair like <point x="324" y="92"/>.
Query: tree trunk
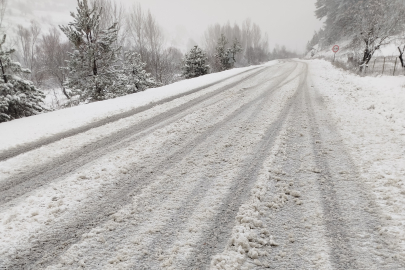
<point x="94" y="67"/>
<point x="366" y="58"/>
<point x="400" y="56"/>
<point x="65" y="93"/>
<point x="4" y="74"/>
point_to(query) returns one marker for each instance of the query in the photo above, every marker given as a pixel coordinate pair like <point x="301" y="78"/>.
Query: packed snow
<point x="25" y="130"/>
<point x="55" y="203"/>
<point x="370" y="116"/>
<point x="370" y="113"/>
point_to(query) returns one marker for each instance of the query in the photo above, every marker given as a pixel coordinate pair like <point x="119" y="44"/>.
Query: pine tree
<point x="18" y="97"/>
<point x="133" y="77"/>
<point x="225" y="57"/>
<point x="221" y="55"/>
<point x="234" y="51"/>
<point x="93" y="73"/>
<point x="195" y="63"/>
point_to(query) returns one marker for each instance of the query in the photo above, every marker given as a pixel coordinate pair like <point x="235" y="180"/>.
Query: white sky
<point x="288" y="22"/>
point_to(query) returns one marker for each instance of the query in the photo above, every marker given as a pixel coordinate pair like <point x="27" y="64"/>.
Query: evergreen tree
<point x="93" y="73"/>
<point x="225" y="57"/>
<point x="18" y="97"/>
<point x="195" y="63"/>
<point x="233" y="51"/>
<point x="133" y="77"/>
<point x="222" y="60"/>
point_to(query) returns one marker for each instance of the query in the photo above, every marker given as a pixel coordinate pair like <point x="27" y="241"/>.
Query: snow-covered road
<point x="246" y="173"/>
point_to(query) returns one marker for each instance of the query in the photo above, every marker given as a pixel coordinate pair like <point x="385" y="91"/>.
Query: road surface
<point x="247" y="174"/>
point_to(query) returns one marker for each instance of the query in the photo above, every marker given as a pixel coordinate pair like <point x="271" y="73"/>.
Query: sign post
<point x="335" y="49"/>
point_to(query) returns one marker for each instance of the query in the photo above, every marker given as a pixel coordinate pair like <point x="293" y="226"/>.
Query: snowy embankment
<point x="370" y="113"/>
<point x="27" y="130"/>
<point x="390" y="49"/>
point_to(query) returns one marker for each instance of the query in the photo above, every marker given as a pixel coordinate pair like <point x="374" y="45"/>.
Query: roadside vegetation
<point x="364" y="27"/>
<point x="107" y="51"/>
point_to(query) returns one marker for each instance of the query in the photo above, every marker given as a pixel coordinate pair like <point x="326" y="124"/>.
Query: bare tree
<point x="27" y="39"/>
<point x="375" y="22"/>
<point x="53" y="56"/>
<point x="171" y="64"/>
<point x="146" y="38"/>
<point x="155" y="40"/>
<point x="112" y="13"/>
<point x="247" y="33"/>
<point x="211" y="36"/>
<point x="254" y="44"/>
<point x="136" y="30"/>
<point x="3" y="8"/>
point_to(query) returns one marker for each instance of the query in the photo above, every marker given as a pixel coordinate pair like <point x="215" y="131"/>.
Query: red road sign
<point x="335" y="48"/>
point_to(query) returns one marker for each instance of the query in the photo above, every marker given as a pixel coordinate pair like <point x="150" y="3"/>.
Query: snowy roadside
<point x="27" y="130"/>
<point x="248" y="232"/>
<point x="345" y="49"/>
<point x="370" y="113"/>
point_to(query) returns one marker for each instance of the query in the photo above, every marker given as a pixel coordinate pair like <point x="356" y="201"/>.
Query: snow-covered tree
<point x="345" y="18"/>
<point x="233" y="51"/>
<point x="171" y="65"/>
<point x="133" y="77"/>
<point x="18" y="97"/>
<point x="225" y="57"/>
<point x="222" y="60"/>
<point x="28" y="50"/>
<point x="369" y="24"/>
<point x="375" y="22"/>
<point x="195" y="63"/>
<point x="93" y="73"/>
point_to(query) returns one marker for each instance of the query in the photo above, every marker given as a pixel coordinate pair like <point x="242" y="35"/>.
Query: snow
<point x="387" y="50"/>
<point x="370" y="114"/>
<point x="26" y="130"/>
<point x="248" y="232"/>
<point x="25" y="219"/>
<point x="368" y="111"/>
<point x="54" y="98"/>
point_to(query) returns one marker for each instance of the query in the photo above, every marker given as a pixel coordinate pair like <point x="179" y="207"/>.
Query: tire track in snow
<point x="67" y="234"/>
<point x="152" y="224"/>
<point x="341" y="253"/>
<point x="157" y="227"/>
<point x="351" y="216"/>
<point x="286" y="207"/>
<point x="17" y="186"/>
<point x="199" y="193"/>
<point x="43" y="142"/>
<point x="221" y="229"/>
<point x="347" y="227"/>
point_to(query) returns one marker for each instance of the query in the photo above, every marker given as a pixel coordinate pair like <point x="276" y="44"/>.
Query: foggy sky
<point x="287" y="22"/>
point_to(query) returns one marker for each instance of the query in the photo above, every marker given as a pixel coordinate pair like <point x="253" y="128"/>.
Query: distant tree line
<point x="252" y="43"/>
<point x="281" y="52"/>
<point x="107" y="51"/>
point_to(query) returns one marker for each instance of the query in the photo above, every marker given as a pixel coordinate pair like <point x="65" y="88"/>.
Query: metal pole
<point x="383" y="66"/>
<point x="395" y="66"/>
<point x="374" y="64"/>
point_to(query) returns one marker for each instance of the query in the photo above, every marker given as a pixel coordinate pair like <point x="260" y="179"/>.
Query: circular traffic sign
<point x="335" y="48"/>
